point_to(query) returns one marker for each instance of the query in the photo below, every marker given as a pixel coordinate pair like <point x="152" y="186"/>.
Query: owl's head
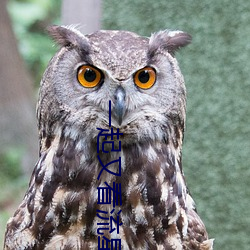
<point x="139" y="75"/>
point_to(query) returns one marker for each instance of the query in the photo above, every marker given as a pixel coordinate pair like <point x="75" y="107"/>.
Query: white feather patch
<point x="139" y="212"/>
<point x="164" y="191"/>
<point x="151" y="154"/>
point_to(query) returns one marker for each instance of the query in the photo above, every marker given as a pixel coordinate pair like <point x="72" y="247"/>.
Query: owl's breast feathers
<point x="59" y="210"/>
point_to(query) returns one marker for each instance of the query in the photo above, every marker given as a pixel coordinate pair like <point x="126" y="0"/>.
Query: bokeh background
<point x="216" y="67"/>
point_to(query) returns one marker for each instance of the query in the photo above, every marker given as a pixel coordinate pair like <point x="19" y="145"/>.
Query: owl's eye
<point x="89" y="76"/>
<point x="145" y="78"/>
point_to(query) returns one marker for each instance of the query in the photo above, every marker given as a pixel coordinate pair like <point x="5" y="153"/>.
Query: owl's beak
<point x="119" y="108"/>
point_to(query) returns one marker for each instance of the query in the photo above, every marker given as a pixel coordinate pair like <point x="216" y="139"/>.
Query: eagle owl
<point x="111" y="118"/>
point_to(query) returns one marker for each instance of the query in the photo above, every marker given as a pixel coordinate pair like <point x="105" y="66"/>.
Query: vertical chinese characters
<point x="109" y="194"/>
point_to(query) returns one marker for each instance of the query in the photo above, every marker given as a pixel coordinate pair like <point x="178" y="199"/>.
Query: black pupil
<point x="89" y="75"/>
<point x="144" y="76"/>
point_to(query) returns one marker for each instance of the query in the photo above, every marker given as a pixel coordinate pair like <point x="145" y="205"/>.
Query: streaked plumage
<point x="59" y="210"/>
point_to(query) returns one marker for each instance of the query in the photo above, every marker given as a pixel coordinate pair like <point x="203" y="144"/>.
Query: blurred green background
<point x="216" y="68"/>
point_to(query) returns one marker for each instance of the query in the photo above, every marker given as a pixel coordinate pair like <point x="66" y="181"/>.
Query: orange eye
<point x="145" y="78"/>
<point x="89" y="76"/>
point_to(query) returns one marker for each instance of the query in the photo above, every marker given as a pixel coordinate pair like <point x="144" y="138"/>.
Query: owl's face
<point x="139" y="75"/>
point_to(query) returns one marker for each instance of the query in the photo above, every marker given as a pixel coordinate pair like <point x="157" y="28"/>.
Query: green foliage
<point x="10" y="165"/>
<point x="30" y="19"/>
<point x="216" y="69"/>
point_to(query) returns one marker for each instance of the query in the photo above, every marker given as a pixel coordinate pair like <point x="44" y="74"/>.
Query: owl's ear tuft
<point x="68" y="36"/>
<point x="168" y="40"/>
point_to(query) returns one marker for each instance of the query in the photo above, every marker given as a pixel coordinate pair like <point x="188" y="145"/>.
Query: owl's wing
<point x="197" y="237"/>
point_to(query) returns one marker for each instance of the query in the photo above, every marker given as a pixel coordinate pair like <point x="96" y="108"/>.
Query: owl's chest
<point x="126" y="198"/>
<point x="116" y="192"/>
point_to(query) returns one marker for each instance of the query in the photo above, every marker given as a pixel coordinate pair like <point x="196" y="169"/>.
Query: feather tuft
<point x="168" y="40"/>
<point x="67" y="36"/>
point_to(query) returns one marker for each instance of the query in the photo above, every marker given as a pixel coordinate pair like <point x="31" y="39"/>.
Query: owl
<point x="111" y="119"/>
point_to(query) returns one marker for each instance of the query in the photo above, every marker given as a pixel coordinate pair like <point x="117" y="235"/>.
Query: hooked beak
<point x="119" y="108"/>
